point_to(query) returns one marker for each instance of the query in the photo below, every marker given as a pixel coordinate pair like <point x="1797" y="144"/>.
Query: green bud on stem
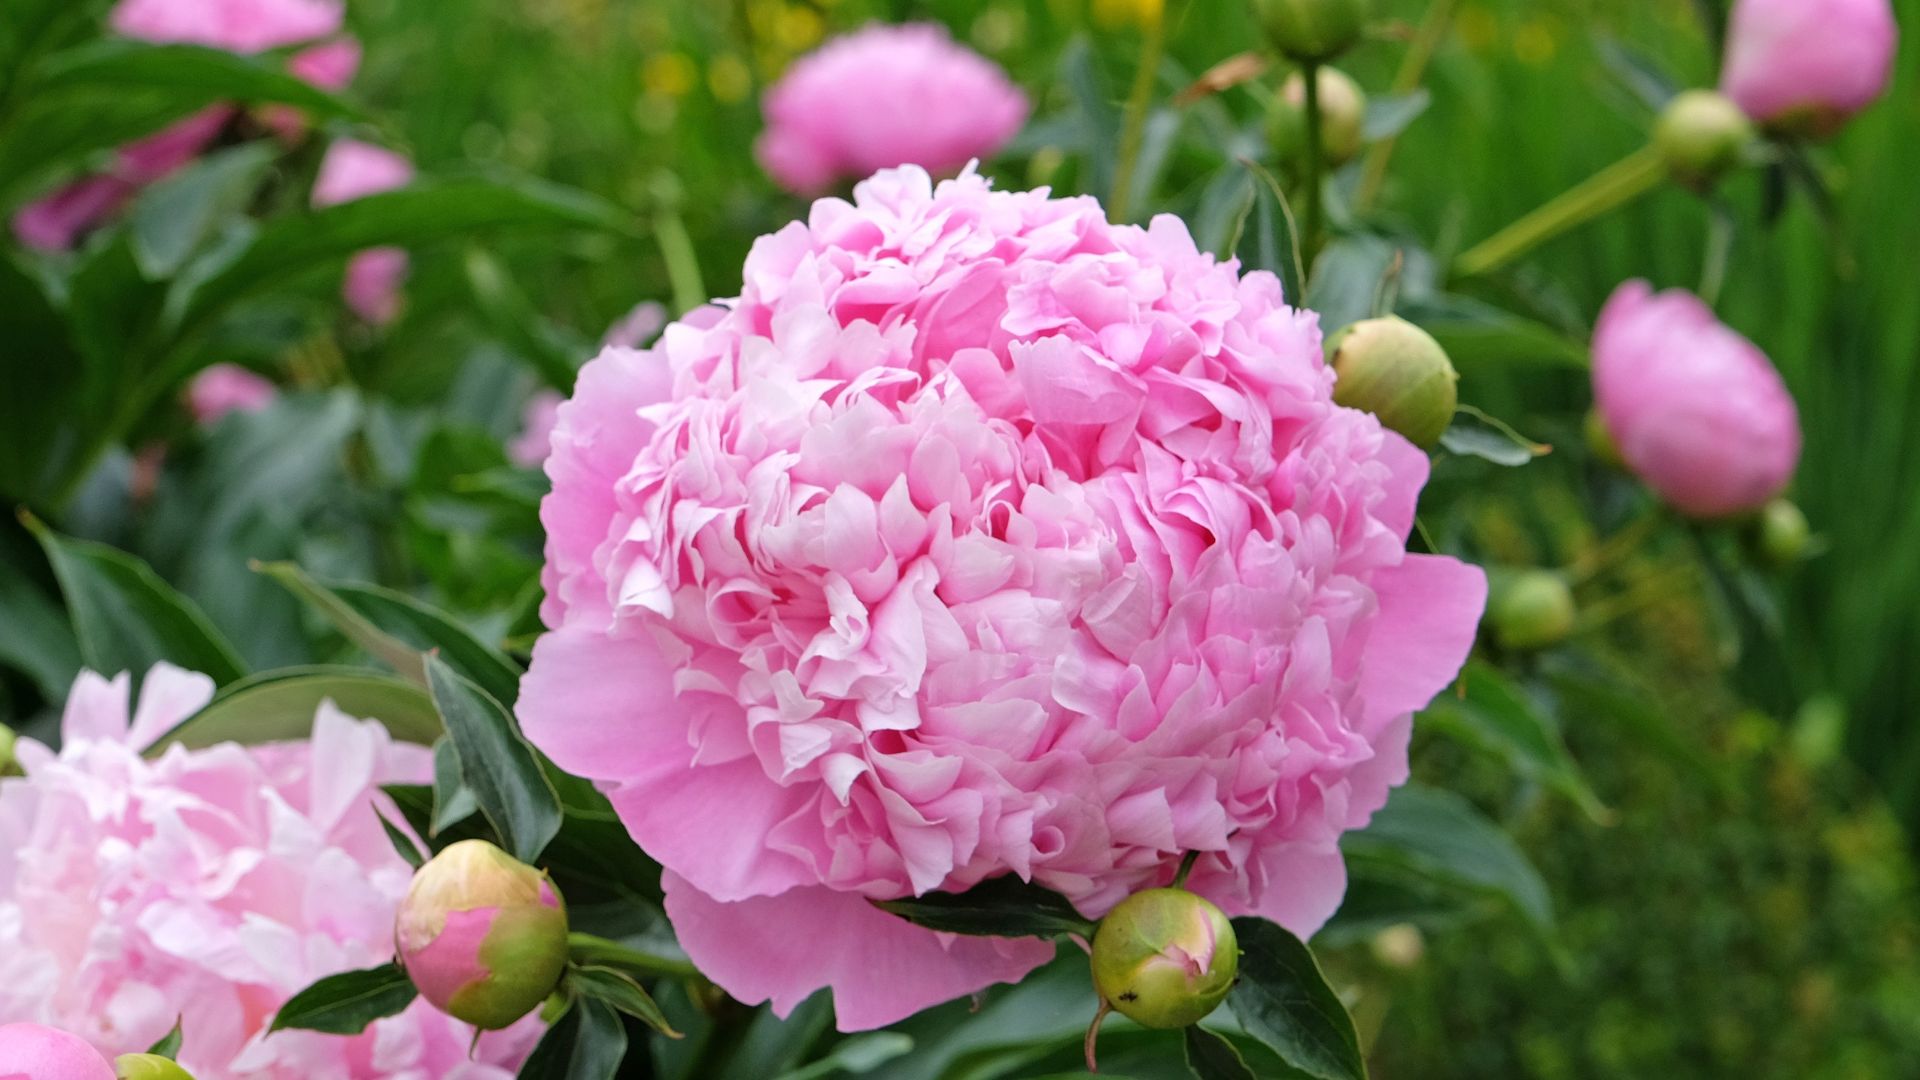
<point x="1165" y="958"/>
<point x="1312" y="30"/>
<point x="1343" y="114"/>
<point x="1396" y="371"/>
<point x="1530" y="609"/>
<point x="1701" y="136"/>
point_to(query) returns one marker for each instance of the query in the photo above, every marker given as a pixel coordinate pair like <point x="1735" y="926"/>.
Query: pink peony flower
<point x="885" y="96"/>
<point x="1696" y="410"/>
<point x="529" y="448"/>
<point x="241" y="26"/>
<point x="353" y="170"/>
<point x="211" y="885"/>
<point x="225" y="388"/>
<point x="32" y="1052"/>
<point x="1808" y="65"/>
<point x="979" y="536"/>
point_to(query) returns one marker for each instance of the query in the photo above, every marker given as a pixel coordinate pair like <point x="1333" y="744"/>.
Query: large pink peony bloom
<point x="354" y="170"/>
<point x="1697" y="411"/>
<point x="243" y="26"/>
<point x="211" y="885"/>
<point x="1808" y="64"/>
<point x="885" y="96"/>
<point x="979" y="536"/>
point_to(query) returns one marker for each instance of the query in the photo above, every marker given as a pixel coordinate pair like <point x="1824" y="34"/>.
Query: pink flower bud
<point x="1165" y="958"/>
<point x="33" y="1052"/>
<point x="354" y="170"/>
<point x="1806" y="66"/>
<point x="482" y="935"/>
<point x="1698" y="413"/>
<point x="225" y="388"/>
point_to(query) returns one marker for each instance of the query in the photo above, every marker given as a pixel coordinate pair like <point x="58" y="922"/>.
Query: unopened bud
<point x="1343" y="115"/>
<point x="1165" y="958"/>
<point x="1531" y="609"/>
<point x="37" y="1052"/>
<point x="1782" y="533"/>
<point x="1396" y="371"/>
<point x="1400" y="946"/>
<point x="1701" y="136"/>
<point x="482" y="935"/>
<point x="1313" y="30"/>
<point x="148" y="1067"/>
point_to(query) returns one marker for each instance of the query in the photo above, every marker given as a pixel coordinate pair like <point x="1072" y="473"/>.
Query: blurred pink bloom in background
<point x="225" y="388"/>
<point x="211" y="885"/>
<point x="979" y="536"/>
<point x="1697" y="411"/>
<point x="1808" y="65"/>
<point x="529" y="448"/>
<point x="34" y="1052"/>
<point x="885" y="96"/>
<point x="353" y="170"/>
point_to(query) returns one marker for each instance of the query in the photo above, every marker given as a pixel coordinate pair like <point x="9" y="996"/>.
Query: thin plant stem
<point x="1153" y="44"/>
<point x="1713" y="270"/>
<point x="1609" y="189"/>
<point x="1315" y="171"/>
<point x="1093" y="1035"/>
<point x="1186" y="867"/>
<point x="683" y="265"/>
<point x="1413" y="68"/>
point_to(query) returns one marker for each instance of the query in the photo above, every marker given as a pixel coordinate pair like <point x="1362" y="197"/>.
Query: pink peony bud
<point x="33" y="1052"/>
<point x="529" y="448"/>
<point x="1165" y="958"/>
<point x="354" y="170"/>
<point x="225" y="388"/>
<point x="1698" y="413"/>
<point x="1806" y="66"/>
<point x="482" y="935"/>
<point x="148" y="1067"/>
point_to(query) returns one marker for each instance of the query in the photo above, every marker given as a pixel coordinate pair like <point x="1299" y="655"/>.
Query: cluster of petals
<point x="227" y="388"/>
<point x="881" y="97"/>
<point x="1808" y="64"/>
<point x="1697" y="411"/>
<point x="57" y="221"/>
<point x="354" y="170"/>
<point x="209" y="886"/>
<point x="979" y="536"/>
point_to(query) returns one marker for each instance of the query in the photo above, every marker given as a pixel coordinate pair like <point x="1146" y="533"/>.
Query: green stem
<point x="1713" y="270"/>
<point x="1413" y="68"/>
<point x="589" y="949"/>
<point x="1610" y="188"/>
<point x="1316" y="167"/>
<point x="1153" y="42"/>
<point x="1186" y="867"/>
<point x="683" y="265"/>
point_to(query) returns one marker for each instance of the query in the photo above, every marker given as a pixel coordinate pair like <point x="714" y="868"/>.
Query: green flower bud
<point x="1701" y="135"/>
<point x="1400" y="946"/>
<point x="1343" y="114"/>
<point x="1530" y="609"/>
<point x="147" y="1067"/>
<point x="482" y="935"/>
<point x="1600" y="441"/>
<point x="8" y="766"/>
<point x="1313" y="30"/>
<point x="1396" y="371"/>
<point x="1164" y="958"/>
<point x="1781" y="534"/>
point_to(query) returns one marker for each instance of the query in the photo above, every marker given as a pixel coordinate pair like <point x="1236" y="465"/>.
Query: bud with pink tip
<point x="482" y="935"/>
<point x="34" y="1052"/>
<point x="1697" y="412"/>
<point x="1165" y="958"/>
<point x="1806" y="66"/>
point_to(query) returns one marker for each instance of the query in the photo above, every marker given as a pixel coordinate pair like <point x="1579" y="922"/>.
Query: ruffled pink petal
<point x="1430" y="608"/>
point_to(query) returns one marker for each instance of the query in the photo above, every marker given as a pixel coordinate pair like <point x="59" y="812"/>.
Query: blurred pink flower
<point x="225" y="388"/>
<point x="353" y="170"/>
<point x="885" y="96"/>
<point x="33" y="1052"/>
<point x="637" y="327"/>
<point x="210" y="885"/>
<point x="529" y="448"/>
<point x="243" y="26"/>
<point x="1808" y="65"/>
<point x="979" y="536"/>
<point x="1696" y="410"/>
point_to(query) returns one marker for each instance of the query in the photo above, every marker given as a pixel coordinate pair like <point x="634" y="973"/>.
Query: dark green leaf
<point x="1499" y="717"/>
<point x="452" y="801"/>
<point x="999" y="907"/>
<point x="772" y="1045"/>
<point x="346" y="1003"/>
<point x="1475" y="434"/>
<point x="857" y="1055"/>
<point x="618" y="990"/>
<point x="1211" y="1057"/>
<point x="1347" y="277"/>
<point x="195" y="73"/>
<point x="127" y="619"/>
<point x="1275" y="242"/>
<point x="169" y="1045"/>
<point x="35" y="336"/>
<point x="1637" y="72"/>
<point x="396" y="654"/>
<point x="1433" y="836"/>
<point x="53" y="137"/>
<point x="174" y="217"/>
<point x="499" y="766"/>
<point x="587" y="1043"/>
<point x="403" y="844"/>
<point x="38" y="641"/>
<point x="1284" y="1002"/>
<point x="423" y="628"/>
<point x="1476" y="333"/>
<point x="278" y="706"/>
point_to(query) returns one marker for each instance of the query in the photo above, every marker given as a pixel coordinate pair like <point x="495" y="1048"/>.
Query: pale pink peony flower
<point x="979" y="536"/>
<point x="33" y="1052"/>
<point x="885" y="96"/>
<point x="1808" y="65"/>
<point x="529" y="448"/>
<point x="243" y="26"/>
<point x="212" y="885"/>
<point x="353" y="170"/>
<point x="226" y="388"/>
<point x="1697" y="411"/>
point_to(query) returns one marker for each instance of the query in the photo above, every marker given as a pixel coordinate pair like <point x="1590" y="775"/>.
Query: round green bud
<point x="1313" y="30"/>
<point x="1396" y="371"/>
<point x="482" y="935"/>
<point x="1343" y="115"/>
<point x="1701" y="136"/>
<point x="1781" y="533"/>
<point x="1531" y="609"/>
<point x="1400" y="946"/>
<point x="1165" y="958"/>
<point x="147" y="1067"/>
<point x="1600" y="441"/>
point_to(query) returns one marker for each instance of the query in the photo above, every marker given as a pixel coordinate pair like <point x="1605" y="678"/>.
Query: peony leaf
<point x="1212" y="1057"/>
<point x="1000" y="907"/>
<point x="403" y="844"/>
<point x="1429" y="837"/>
<point x="499" y="766"/>
<point x="1476" y="434"/>
<point x="586" y="1043"/>
<point x="279" y="705"/>
<point x="618" y="990"/>
<point x="453" y="803"/>
<point x="173" y="218"/>
<point x="1502" y="719"/>
<point x="1284" y="1002"/>
<point x="346" y="1003"/>
<point x="859" y="1054"/>
<point x="169" y="1045"/>
<point x="197" y="74"/>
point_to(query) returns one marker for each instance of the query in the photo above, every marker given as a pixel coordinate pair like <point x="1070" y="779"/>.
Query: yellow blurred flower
<point x="669" y="75"/>
<point x="729" y="78"/>
<point x="1122" y="12"/>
